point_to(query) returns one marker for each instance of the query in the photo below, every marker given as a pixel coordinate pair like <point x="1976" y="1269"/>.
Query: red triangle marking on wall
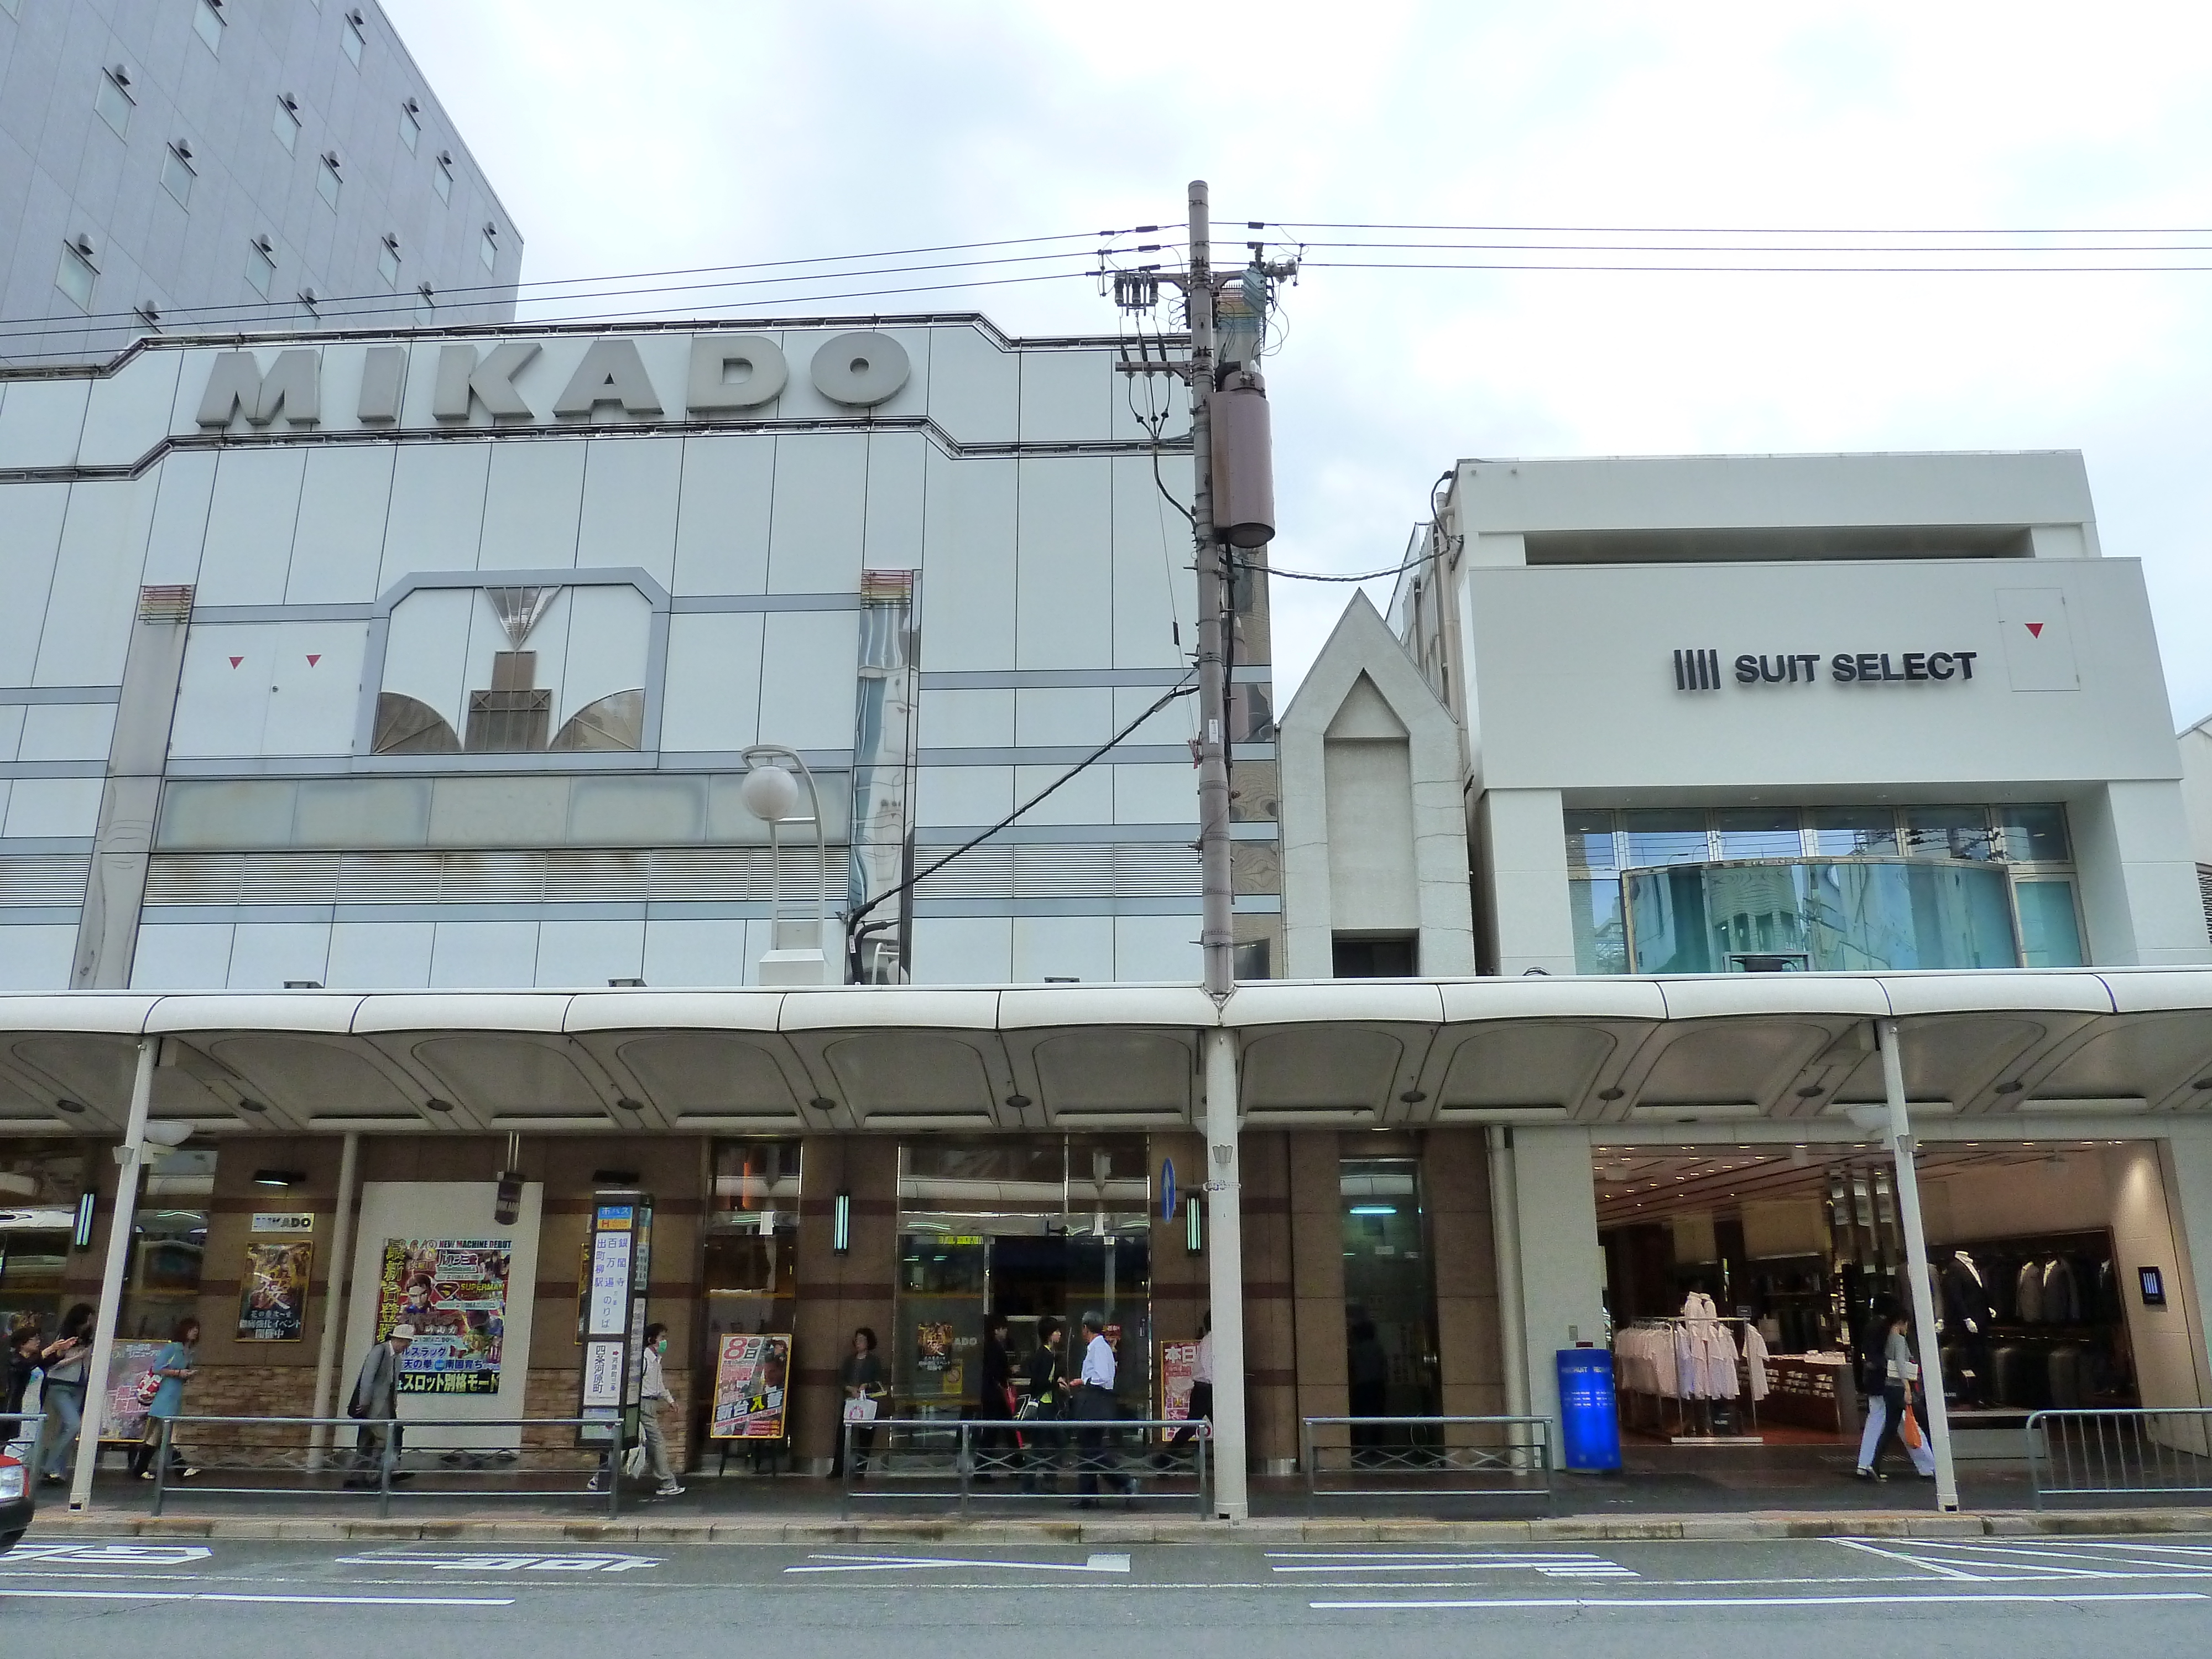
<point x="313" y="657"/>
<point x="2035" y="630"/>
<point x="235" y="661"/>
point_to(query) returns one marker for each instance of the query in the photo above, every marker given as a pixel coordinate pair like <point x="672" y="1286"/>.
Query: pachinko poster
<point x="454" y="1292"/>
<point x="751" y="1375"/>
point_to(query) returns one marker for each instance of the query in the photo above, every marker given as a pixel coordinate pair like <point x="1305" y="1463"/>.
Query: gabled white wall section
<point x="1373" y="835"/>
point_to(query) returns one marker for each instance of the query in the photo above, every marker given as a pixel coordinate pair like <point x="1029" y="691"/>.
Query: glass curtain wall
<point x="1034" y="1228"/>
<point x="168" y="1245"/>
<point x="1774" y="889"/>
<point x="751" y="1241"/>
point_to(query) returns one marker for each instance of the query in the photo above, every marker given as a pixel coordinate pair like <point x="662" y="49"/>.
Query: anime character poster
<point x="454" y="1292"/>
<point x="751" y="1382"/>
<point x="272" y="1296"/>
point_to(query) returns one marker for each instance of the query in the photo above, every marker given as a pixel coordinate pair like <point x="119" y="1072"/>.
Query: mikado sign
<point x="728" y="375"/>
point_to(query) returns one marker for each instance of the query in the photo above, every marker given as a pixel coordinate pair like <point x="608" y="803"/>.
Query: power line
<point x="1625" y="268"/>
<point x="2024" y="248"/>
<point x="1745" y="230"/>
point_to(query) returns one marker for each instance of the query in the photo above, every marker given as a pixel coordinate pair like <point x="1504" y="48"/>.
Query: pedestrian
<point x="374" y="1404"/>
<point x="1044" y="1390"/>
<point x="995" y="1397"/>
<point x="1872" y="1373"/>
<point x="1200" y="1407"/>
<point x="176" y="1365"/>
<point x="861" y="1376"/>
<point x="1095" y="1407"/>
<point x="656" y="1404"/>
<point x="24" y="1344"/>
<point x="1899" y="1371"/>
<point x="64" y="1361"/>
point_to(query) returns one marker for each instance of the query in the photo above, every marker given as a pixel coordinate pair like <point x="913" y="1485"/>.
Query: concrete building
<point x="226" y="164"/>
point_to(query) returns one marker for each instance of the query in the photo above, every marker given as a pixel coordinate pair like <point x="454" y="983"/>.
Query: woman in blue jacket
<point x="174" y="1365"/>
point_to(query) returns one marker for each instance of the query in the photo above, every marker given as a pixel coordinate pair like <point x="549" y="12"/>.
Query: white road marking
<point x="145" y="1555"/>
<point x="1115" y="1563"/>
<point x="1548" y="1563"/>
<point x="504" y="1561"/>
<point x="221" y="1596"/>
<point x="1609" y="1602"/>
<point x="1997" y="1563"/>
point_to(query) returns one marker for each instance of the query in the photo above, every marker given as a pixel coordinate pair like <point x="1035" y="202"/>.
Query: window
<point x="442" y="180"/>
<point x="410" y="124"/>
<point x="261" y="265"/>
<point x="326" y="180"/>
<point x="207" y="24"/>
<point x="2050" y="936"/>
<point x="177" y="173"/>
<point x="353" y="39"/>
<point x="1853" y="831"/>
<point x="287" y="124"/>
<point x="1666" y="838"/>
<point x="77" y="276"/>
<point x="1758" y="833"/>
<point x="488" y="249"/>
<point x="2035" y="835"/>
<point x="387" y="261"/>
<point x="426" y="308"/>
<point x="1375" y="956"/>
<point x="113" y="100"/>
<point x="1949" y="832"/>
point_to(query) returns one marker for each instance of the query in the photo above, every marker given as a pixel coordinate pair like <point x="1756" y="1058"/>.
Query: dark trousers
<point x="863" y="1436"/>
<point x="1892" y="1426"/>
<point x="1201" y="1410"/>
<point x="143" y="1454"/>
<point x="368" y="1453"/>
<point x="1095" y="1407"/>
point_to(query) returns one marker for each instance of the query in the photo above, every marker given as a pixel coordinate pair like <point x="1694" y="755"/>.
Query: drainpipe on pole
<point x="1224" y="1275"/>
<point x="131" y="1156"/>
<point x="1505" y="1245"/>
<point x="1916" y="1256"/>
<point x="334" y="1284"/>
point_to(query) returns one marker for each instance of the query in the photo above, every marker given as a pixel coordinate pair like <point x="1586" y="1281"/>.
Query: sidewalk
<point x="1700" y="1495"/>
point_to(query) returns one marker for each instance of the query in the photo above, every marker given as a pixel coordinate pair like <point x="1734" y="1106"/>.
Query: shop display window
<point x="752" y="1241"/>
<point x="168" y="1244"/>
<point x="39" y="1185"/>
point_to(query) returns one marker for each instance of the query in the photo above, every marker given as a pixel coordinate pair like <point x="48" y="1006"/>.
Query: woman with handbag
<point x="995" y="1401"/>
<point x="861" y="1376"/>
<point x="64" y="1362"/>
<point x="1044" y="1385"/>
<point x="173" y="1366"/>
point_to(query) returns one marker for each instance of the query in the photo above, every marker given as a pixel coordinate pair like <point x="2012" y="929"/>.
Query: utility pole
<point x="1217" y="926"/>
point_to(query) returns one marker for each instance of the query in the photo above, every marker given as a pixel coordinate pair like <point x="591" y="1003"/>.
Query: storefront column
<point x="1224" y="1258"/>
<point x="1916" y="1256"/>
<point x="1505" y="1244"/>
<point x="131" y="1155"/>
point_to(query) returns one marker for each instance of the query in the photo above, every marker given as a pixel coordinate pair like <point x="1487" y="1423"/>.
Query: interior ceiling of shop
<point x="1787" y="1053"/>
<point x="1650" y="1183"/>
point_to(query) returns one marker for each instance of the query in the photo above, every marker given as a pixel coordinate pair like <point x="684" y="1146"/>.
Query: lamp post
<point x="770" y="793"/>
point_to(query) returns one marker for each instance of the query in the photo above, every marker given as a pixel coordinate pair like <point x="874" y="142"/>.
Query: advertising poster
<point x="272" y="1296"/>
<point x="454" y="1292"/>
<point x="750" y="1374"/>
<point x="125" y="1418"/>
<point x="1178" y="1365"/>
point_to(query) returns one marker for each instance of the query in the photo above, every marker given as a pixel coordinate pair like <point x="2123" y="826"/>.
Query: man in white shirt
<point x="1095" y="1404"/>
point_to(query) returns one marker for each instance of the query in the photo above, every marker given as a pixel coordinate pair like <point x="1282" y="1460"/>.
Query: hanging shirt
<point x="1201" y="1369"/>
<point x="1754" y="1355"/>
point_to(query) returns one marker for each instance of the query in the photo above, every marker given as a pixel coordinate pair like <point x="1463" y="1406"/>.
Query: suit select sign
<point x="2037" y="655"/>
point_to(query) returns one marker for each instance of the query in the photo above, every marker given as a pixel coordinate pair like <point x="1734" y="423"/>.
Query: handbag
<point x="862" y="1410"/>
<point x="633" y="1462"/>
<point x="149" y="1387"/>
<point x="1908" y="1429"/>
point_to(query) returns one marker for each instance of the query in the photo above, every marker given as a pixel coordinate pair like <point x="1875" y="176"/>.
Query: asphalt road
<point x="1655" y="1600"/>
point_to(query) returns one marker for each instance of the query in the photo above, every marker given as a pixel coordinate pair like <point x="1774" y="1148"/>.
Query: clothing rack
<point x="1669" y="1322"/>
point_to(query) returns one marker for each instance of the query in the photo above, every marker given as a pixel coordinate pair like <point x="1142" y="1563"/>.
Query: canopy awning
<point x="1791" y="1052"/>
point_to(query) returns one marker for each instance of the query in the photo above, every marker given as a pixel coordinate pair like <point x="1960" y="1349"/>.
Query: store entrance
<point x="1037" y="1229"/>
<point x="1744" y="1283"/>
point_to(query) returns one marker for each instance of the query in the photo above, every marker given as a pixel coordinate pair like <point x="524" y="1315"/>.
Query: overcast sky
<point x="659" y="134"/>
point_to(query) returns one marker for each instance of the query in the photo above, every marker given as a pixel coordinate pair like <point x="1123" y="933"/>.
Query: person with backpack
<point x="173" y="1367"/>
<point x="375" y="1405"/>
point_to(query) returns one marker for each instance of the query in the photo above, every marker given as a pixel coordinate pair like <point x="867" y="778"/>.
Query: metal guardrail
<point x="1437" y="1452"/>
<point x="30" y="1428"/>
<point x="339" y="1472"/>
<point x="919" y="1458"/>
<point x="2155" y="1451"/>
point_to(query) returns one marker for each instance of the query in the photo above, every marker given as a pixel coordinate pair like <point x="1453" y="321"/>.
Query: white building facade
<point x="430" y="660"/>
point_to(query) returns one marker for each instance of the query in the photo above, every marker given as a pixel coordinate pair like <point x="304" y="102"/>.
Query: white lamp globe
<point x="769" y="793"/>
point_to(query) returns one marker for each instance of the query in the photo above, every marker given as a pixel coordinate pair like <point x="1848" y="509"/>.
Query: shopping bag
<point x="862" y="1410"/>
<point x="1908" y="1429"/>
<point x="633" y="1462"/>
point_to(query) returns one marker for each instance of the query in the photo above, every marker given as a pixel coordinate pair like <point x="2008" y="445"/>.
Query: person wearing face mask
<point x="656" y="1403"/>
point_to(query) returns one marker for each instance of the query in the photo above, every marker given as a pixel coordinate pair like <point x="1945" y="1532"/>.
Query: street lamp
<point x="770" y="794"/>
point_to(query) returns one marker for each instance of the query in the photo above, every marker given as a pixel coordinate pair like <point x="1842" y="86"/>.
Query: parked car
<point x="17" y="1498"/>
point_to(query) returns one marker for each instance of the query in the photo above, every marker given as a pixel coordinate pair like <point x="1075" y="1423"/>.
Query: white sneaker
<point x="671" y="1490"/>
<point x="594" y="1485"/>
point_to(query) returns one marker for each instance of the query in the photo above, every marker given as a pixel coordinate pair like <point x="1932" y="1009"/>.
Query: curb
<point x="1705" y="1528"/>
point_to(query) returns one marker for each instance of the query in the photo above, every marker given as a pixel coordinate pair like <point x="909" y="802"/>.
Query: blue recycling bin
<point x="1589" y="1424"/>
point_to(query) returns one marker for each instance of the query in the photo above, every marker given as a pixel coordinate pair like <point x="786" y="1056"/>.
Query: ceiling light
<point x="254" y="1106"/>
<point x="278" y="1178"/>
<point x="74" y="1107"/>
<point x="436" y="1105"/>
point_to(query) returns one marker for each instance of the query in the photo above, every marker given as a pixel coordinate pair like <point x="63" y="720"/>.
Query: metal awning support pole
<point x="334" y="1284"/>
<point x="1225" y="1274"/>
<point x="121" y="1222"/>
<point x="1505" y="1240"/>
<point x="1916" y="1257"/>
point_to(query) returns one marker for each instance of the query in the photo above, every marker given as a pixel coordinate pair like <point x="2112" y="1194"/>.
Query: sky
<point x="660" y="135"/>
